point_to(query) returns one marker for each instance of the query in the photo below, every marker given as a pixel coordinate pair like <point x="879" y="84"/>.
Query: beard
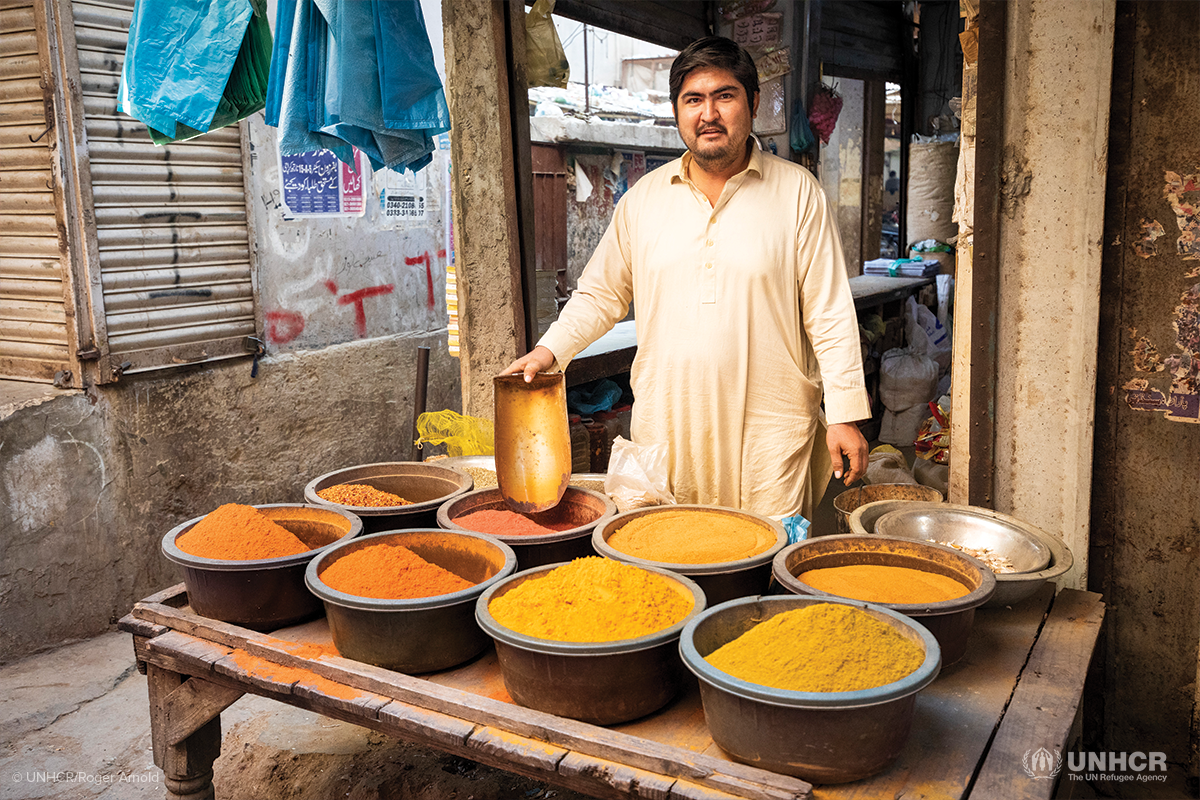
<point x="715" y="156"/>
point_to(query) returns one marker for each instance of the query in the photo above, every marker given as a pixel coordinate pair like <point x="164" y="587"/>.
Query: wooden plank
<point x="516" y="749"/>
<point x="869" y="291"/>
<point x="627" y="780"/>
<point x="957" y="714"/>
<point x="131" y="624"/>
<point x="192" y="705"/>
<point x="427" y="725"/>
<point x="1044" y="704"/>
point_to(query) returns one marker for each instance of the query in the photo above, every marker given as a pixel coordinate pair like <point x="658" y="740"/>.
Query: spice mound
<point x="235" y="532"/>
<point x="483" y="477"/>
<point x="509" y="523"/>
<point x="592" y="600"/>
<point x="362" y="495"/>
<point x="691" y="536"/>
<point x="880" y="584"/>
<point x="995" y="561"/>
<point x="825" y="647"/>
<point x="390" y="572"/>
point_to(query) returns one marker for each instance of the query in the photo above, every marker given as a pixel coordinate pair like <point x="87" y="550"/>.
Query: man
<point x="742" y="307"/>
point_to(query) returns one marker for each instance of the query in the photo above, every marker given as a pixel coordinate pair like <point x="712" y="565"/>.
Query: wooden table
<point x="871" y="291"/>
<point x="1017" y="689"/>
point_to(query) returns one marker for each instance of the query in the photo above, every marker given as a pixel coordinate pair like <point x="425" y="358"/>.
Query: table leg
<point x="187" y="765"/>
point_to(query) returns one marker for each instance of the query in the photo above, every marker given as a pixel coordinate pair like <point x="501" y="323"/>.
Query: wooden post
<point x="187" y="764"/>
<point x="487" y="219"/>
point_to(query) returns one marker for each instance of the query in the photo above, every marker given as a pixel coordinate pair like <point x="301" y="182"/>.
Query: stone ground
<point x="75" y="725"/>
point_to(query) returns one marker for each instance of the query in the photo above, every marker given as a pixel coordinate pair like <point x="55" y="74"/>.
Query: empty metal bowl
<point x="850" y="499"/>
<point x="864" y="518"/>
<point x="950" y="621"/>
<point x="422" y="634"/>
<point x="425" y="486"/>
<point x="582" y="507"/>
<point x="268" y="593"/>
<point x="603" y="683"/>
<point x="821" y="737"/>
<point x="973" y="526"/>
<point x="720" y="581"/>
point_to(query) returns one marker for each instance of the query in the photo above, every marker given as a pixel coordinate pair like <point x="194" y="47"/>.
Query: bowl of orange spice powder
<point x="936" y="585"/>
<point x="820" y="688"/>
<point x="245" y="564"/>
<point x="405" y="600"/>
<point x="725" y="550"/>
<point x="391" y="495"/>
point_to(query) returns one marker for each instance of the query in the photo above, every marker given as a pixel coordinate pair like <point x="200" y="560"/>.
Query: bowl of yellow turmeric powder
<point x="726" y="551"/>
<point x="391" y="495"/>
<point x="592" y="639"/>
<point x="819" y="688"/>
<point x="405" y="600"/>
<point x="936" y="585"/>
<point x="245" y="564"/>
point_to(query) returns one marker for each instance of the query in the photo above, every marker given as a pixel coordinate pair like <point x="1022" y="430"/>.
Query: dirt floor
<point x="75" y="725"/>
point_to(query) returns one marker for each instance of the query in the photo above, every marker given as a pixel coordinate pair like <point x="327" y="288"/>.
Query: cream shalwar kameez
<point x="741" y="309"/>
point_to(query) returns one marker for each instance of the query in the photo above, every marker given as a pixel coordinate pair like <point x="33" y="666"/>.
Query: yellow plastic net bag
<point x="463" y="436"/>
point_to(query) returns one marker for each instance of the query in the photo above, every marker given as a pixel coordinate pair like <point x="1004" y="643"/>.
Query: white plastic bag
<point x="907" y="378"/>
<point x="927" y="335"/>
<point x="637" y="475"/>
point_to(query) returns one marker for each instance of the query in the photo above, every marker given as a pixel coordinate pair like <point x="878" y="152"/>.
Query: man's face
<point x="714" y="117"/>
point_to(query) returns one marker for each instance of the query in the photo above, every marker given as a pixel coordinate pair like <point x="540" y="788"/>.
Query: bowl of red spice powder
<point x="936" y="585"/>
<point x="245" y="564"/>
<point x="546" y="537"/>
<point x="405" y="600"/>
<point x="392" y="495"/>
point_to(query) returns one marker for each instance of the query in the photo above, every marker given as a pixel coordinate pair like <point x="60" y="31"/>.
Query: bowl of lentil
<point x="405" y="600"/>
<point x="850" y="499"/>
<point x="245" y="564"/>
<point x="820" y="688"/>
<point x="936" y="585"/>
<point x="392" y="495"/>
<point x="727" y="551"/>
<point x="546" y="537"/>
<point x="592" y="639"/>
<point x="1023" y="556"/>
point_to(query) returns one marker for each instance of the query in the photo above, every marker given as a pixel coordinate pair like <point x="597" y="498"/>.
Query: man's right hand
<point x="539" y="359"/>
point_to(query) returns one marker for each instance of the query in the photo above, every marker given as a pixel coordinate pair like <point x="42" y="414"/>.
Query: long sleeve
<point x="602" y="297"/>
<point x="829" y="318"/>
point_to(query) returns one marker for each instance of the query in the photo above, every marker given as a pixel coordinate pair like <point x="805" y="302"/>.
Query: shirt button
<point x="709" y="243"/>
<point x="708" y="265"/>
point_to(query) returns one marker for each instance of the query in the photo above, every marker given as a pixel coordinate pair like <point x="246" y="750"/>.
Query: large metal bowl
<point x="864" y="518"/>
<point x="720" y="581"/>
<point x="950" y="621"/>
<point x="426" y="486"/>
<point x="926" y="523"/>
<point x="582" y="506"/>
<point x="603" y="683"/>
<point x="850" y="499"/>
<point x="821" y="737"/>
<point x="421" y="634"/>
<point x="267" y="593"/>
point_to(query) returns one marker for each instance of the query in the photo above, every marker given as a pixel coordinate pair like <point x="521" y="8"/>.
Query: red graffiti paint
<point x="360" y="314"/>
<point x="427" y="261"/>
<point x="283" y="326"/>
<point x="331" y="286"/>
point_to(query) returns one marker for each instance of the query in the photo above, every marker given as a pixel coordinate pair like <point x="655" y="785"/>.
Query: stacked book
<point x="902" y="267"/>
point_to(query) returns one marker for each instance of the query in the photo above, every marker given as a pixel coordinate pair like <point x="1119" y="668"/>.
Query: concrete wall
<point x="1056" y="137"/>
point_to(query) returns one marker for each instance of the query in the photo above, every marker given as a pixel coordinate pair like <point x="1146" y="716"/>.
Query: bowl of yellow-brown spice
<point x="591" y="639"/>
<point x="393" y="495"/>
<point x="725" y="550"/>
<point x="820" y="688"/>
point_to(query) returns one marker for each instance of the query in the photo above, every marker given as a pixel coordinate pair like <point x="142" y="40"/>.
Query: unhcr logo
<point x="1041" y="764"/>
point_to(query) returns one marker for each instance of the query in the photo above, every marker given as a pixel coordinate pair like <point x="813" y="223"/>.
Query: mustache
<point x="711" y="129"/>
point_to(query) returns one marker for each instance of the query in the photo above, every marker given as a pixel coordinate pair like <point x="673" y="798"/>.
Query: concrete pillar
<point x="1059" y="68"/>
<point x="486" y="227"/>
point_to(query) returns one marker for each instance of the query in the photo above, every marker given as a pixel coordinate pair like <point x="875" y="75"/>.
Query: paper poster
<point x="317" y="184"/>
<point x="631" y="168"/>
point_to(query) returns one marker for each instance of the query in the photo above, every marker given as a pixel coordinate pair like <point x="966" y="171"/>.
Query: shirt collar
<point x="755" y="164"/>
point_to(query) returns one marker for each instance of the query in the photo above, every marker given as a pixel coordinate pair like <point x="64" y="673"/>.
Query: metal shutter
<point x="172" y="236"/>
<point x="34" y="330"/>
<point x="862" y="39"/>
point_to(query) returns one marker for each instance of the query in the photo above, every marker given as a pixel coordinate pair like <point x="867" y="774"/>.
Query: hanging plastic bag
<point x="463" y="436"/>
<point x="802" y="138"/>
<point x="637" y="475"/>
<point x="546" y="61"/>
<point x="824" y="111"/>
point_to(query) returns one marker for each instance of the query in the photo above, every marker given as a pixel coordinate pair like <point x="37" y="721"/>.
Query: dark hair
<point x="719" y="52"/>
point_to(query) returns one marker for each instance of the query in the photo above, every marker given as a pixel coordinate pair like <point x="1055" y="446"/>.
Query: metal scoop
<point x="533" y="440"/>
